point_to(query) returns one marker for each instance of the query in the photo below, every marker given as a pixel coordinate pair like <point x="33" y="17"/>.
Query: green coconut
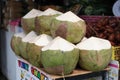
<point x="59" y="57"/>
<point x="95" y="54"/>
<point x="34" y="49"/>
<point x="43" y="21"/>
<point x="23" y="46"/>
<point x="15" y="42"/>
<point x="68" y="26"/>
<point x="28" y="21"/>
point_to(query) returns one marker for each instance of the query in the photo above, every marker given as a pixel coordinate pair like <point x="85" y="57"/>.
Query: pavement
<point x="2" y="77"/>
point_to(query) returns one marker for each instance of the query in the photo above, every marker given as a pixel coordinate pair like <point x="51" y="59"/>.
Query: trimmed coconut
<point x="69" y="26"/>
<point x="28" y="21"/>
<point x="15" y="41"/>
<point x="95" y="53"/>
<point x="34" y="49"/>
<point x="43" y="21"/>
<point x="30" y="36"/>
<point x="59" y="56"/>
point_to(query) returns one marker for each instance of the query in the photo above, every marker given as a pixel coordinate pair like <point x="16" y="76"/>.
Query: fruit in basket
<point x="68" y="26"/>
<point x="34" y="49"/>
<point x="117" y="37"/>
<point x="43" y="21"/>
<point x="59" y="57"/>
<point x="23" y="45"/>
<point x="28" y="21"/>
<point x="106" y="28"/>
<point x="95" y="53"/>
<point x="15" y="42"/>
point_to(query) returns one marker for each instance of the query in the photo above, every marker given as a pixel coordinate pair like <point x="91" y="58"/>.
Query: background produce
<point x="96" y="7"/>
<point x="106" y="27"/>
<point x="95" y="53"/>
<point x="79" y="7"/>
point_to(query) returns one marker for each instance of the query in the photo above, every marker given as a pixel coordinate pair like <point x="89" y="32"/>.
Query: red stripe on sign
<point x="113" y="65"/>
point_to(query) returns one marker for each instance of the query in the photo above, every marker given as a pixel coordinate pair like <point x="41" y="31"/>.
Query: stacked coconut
<point x="95" y="53"/>
<point x="28" y="21"/>
<point x="49" y="40"/>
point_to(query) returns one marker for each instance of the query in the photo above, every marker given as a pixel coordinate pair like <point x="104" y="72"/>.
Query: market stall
<point x="26" y="62"/>
<point x="52" y="44"/>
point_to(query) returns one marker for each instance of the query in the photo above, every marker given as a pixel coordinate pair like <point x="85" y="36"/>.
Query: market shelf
<point x="82" y="74"/>
<point x="38" y="73"/>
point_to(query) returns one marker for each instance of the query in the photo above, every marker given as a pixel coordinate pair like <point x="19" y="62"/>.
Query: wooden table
<point x="79" y="74"/>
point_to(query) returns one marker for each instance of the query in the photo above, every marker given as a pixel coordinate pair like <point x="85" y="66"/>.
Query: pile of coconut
<point x="28" y="21"/>
<point x="51" y="22"/>
<point x="49" y="40"/>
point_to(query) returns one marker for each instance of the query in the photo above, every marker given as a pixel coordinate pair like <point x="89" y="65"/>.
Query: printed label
<point x="26" y="71"/>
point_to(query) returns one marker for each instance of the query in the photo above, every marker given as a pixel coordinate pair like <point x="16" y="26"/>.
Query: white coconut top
<point x="49" y="11"/>
<point x="33" y="13"/>
<point x="84" y="38"/>
<point x="41" y="40"/>
<point x="94" y="43"/>
<point x="59" y="44"/>
<point x="21" y="34"/>
<point x="31" y="35"/>
<point x="34" y="39"/>
<point x="69" y="16"/>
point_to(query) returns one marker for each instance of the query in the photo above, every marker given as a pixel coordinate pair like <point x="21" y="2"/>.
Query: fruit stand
<point x="38" y="55"/>
<point x="52" y="51"/>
